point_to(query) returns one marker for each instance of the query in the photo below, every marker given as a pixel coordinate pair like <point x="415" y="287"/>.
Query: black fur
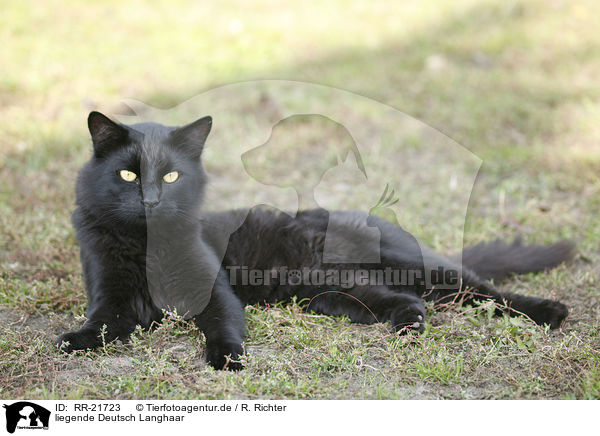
<point x="113" y="220"/>
<point x="497" y="260"/>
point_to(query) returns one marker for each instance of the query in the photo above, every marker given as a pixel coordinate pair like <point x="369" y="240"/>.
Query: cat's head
<point x="143" y="171"/>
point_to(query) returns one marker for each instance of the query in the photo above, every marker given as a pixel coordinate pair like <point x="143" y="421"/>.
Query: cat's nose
<point x="150" y="203"/>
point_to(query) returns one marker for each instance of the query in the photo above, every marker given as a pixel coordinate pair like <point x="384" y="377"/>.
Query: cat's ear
<point x="106" y="134"/>
<point x="192" y="137"/>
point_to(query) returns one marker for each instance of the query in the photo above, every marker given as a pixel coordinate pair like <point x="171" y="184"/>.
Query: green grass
<point x="513" y="82"/>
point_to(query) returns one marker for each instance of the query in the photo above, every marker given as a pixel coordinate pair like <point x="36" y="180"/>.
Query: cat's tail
<point x="497" y="260"/>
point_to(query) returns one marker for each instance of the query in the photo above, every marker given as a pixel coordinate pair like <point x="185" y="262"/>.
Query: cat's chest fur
<point x="114" y="262"/>
<point x="158" y="266"/>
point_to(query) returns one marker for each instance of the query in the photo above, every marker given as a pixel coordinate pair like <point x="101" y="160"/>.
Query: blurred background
<point x="513" y="82"/>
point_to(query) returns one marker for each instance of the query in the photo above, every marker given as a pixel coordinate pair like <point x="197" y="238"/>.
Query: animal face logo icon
<point x="24" y="414"/>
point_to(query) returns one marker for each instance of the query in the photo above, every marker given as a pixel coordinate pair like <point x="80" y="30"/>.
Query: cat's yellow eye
<point x="128" y="176"/>
<point x="171" y="177"/>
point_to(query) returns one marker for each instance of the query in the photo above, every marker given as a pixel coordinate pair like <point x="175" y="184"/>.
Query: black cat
<point x="146" y="245"/>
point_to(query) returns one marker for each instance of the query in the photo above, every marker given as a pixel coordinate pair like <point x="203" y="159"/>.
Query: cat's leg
<point x="108" y="319"/>
<point x="400" y="250"/>
<point x="370" y="304"/>
<point x="115" y="293"/>
<point x="223" y="325"/>
<point x="540" y="310"/>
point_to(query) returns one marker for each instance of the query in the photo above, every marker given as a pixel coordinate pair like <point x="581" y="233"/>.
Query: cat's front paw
<point x="549" y="312"/>
<point x="224" y="355"/>
<point x="409" y="318"/>
<point x="78" y="340"/>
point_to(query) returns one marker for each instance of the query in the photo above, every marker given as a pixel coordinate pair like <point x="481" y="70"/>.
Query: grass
<point x="493" y="76"/>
